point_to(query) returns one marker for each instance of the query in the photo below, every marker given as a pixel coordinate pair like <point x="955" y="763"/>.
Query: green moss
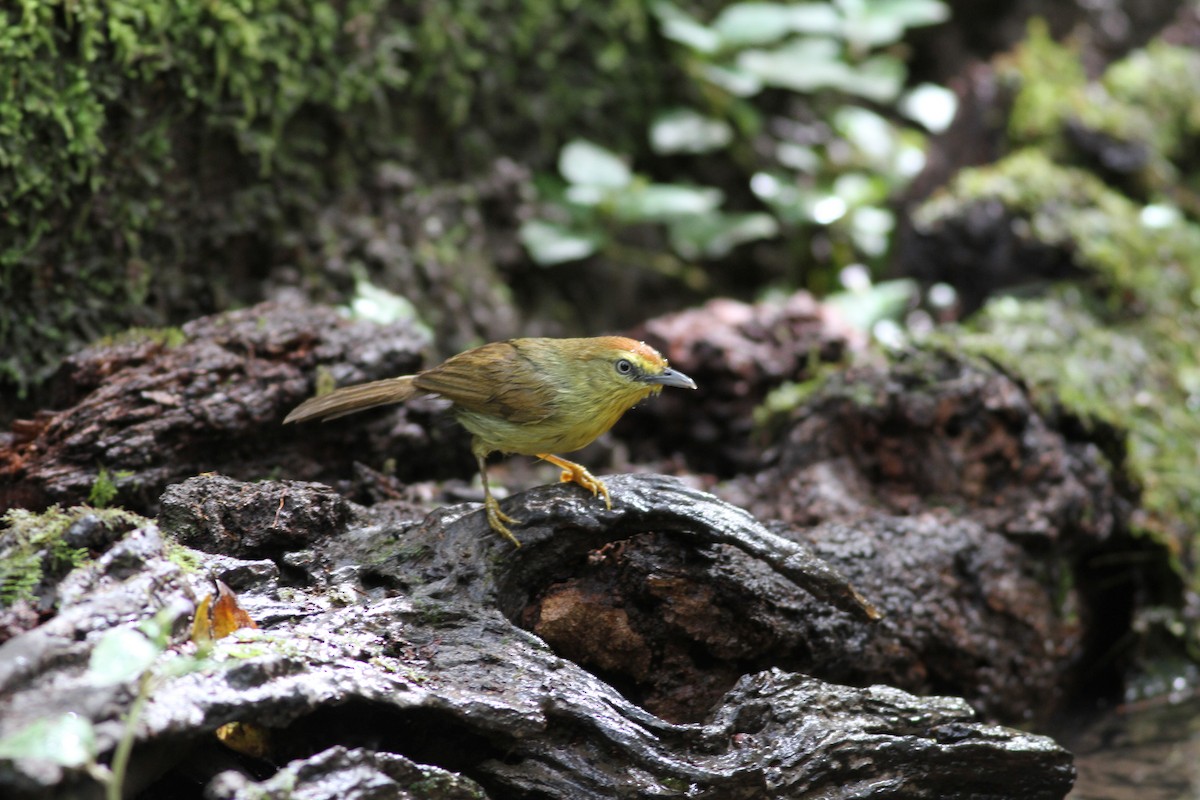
<point x="1141" y="377"/>
<point x="1157" y="86"/>
<point x="32" y="546"/>
<point x="1149" y="101"/>
<point x="170" y="152"/>
<point x="1050" y="86"/>
<point x="778" y="408"/>
<point x="104" y="488"/>
<point x="1120" y="352"/>
<point x="1071" y="209"/>
<point x="163" y="337"/>
<point x="183" y="557"/>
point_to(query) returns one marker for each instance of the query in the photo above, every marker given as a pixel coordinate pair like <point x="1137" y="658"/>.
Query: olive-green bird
<point x="530" y="396"/>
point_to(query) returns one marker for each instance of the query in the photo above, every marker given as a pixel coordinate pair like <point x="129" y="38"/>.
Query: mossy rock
<point x="1138" y="124"/>
<point x="1112" y="347"/>
<point x="160" y="157"/>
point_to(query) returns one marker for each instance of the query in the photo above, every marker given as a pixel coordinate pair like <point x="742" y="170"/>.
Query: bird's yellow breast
<point x="577" y="420"/>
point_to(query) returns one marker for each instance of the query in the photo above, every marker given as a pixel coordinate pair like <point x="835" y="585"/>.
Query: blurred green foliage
<point x="787" y="98"/>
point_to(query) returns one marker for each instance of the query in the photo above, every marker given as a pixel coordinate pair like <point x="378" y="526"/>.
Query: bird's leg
<point x="495" y="517"/>
<point x="576" y="473"/>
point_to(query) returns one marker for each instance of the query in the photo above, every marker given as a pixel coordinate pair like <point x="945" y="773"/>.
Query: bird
<point x="528" y="396"/>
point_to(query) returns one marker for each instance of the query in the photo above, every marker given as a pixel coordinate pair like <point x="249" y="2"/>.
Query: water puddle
<point x="1148" y="750"/>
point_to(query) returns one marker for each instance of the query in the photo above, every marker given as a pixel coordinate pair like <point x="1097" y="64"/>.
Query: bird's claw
<point x="497" y="519"/>
<point x="577" y="474"/>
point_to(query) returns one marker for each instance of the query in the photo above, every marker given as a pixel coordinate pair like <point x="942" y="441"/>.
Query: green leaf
<point x="801" y="158"/>
<point x="551" y="244"/>
<point x="859" y="188"/>
<point x="752" y="23"/>
<point x="913" y="13"/>
<point x="663" y="202"/>
<point x="685" y="131"/>
<point x="378" y="305"/>
<point x="879" y="78"/>
<point x="871" y="229"/>
<point x="817" y="19"/>
<point x="584" y="163"/>
<point x="931" y="105"/>
<point x="68" y="740"/>
<point x="744" y="24"/>
<point x="781" y="193"/>
<point x="121" y="655"/>
<point x="738" y="82"/>
<point x="715" y="235"/>
<point x="871" y="134"/>
<point x="588" y="196"/>
<point x="680" y="27"/>
<point x="882" y="22"/>
<point x="804" y="65"/>
<point x="887" y="300"/>
<point x="865" y="31"/>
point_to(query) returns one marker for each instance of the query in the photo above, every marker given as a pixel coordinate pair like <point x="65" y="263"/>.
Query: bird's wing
<point x="494" y="379"/>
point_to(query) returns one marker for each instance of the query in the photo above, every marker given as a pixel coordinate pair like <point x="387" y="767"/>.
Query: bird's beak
<point x="671" y="377"/>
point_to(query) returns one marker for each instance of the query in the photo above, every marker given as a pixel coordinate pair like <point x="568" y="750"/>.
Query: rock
<point x="160" y="406"/>
<point x="348" y="774"/>
<point x="220" y="515"/>
<point x="736" y="353"/>
<point x="409" y="668"/>
<point x="995" y="545"/>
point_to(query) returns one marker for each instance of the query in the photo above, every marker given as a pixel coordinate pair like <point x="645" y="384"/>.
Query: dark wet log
<point x="396" y="642"/>
<point x="156" y="407"/>
<point x="454" y="554"/>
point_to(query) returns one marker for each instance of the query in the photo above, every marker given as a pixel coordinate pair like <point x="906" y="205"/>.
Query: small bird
<point x="532" y="396"/>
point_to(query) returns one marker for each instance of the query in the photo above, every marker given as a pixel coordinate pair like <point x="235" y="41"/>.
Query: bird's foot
<point x="497" y="519"/>
<point x="576" y="473"/>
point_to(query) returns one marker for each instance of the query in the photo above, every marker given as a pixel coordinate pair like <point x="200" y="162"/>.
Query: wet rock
<point x="422" y="672"/>
<point x="348" y="774"/>
<point x="936" y="431"/>
<point x="162" y="405"/>
<point x="91" y="532"/>
<point x="38" y="550"/>
<point x="736" y="353"/>
<point x="979" y="530"/>
<point x="220" y="515"/>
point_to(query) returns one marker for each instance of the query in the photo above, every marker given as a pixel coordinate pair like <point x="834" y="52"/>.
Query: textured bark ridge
<point x="390" y="654"/>
<point x="159" y="406"/>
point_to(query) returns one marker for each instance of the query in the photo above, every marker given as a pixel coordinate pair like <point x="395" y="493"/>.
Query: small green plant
<point x="104" y="489"/>
<point x="817" y="175"/>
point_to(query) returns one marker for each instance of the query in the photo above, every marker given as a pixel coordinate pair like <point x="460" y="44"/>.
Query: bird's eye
<point x="624" y="366"/>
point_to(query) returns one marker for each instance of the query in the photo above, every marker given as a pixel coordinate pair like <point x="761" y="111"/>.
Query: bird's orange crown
<point x="645" y="355"/>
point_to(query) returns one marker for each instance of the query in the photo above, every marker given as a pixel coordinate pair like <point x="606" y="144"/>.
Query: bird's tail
<point x="349" y="399"/>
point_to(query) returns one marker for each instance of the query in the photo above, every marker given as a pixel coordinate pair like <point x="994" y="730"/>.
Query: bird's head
<point x="631" y="369"/>
<point x="595" y="381"/>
